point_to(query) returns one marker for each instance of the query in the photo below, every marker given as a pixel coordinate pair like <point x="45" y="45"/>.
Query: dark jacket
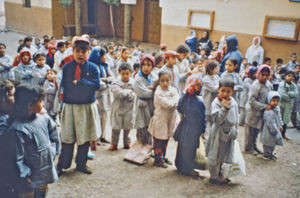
<point x="49" y="60"/>
<point x="232" y="52"/>
<point x="84" y="91"/>
<point x="192" y="43"/>
<point x="193" y="122"/>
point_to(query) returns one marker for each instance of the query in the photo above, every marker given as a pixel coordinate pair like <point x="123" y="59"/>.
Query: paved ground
<point x="113" y="177"/>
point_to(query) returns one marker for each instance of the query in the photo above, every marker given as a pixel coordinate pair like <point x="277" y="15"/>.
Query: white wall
<point x="242" y="16"/>
<point x="36" y="3"/>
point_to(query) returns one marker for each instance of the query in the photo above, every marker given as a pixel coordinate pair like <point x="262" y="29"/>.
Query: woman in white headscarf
<point x="191" y="40"/>
<point x="255" y="52"/>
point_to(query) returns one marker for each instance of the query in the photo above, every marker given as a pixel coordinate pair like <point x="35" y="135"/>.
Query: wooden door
<point x="152" y="21"/>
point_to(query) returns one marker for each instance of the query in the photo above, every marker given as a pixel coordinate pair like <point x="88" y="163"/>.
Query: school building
<point x="168" y="21"/>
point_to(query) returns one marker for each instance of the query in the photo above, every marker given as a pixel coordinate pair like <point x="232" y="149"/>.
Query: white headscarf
<point x="191" y="35"/>
<point x="258" y="42"/>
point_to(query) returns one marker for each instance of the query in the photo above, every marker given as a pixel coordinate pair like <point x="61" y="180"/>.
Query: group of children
<point x="142" y="92"/>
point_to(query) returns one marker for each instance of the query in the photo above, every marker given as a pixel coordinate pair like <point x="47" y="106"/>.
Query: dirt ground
<point x="113" y="177"/>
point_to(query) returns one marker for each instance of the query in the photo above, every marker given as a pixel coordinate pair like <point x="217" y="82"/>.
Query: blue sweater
<point x="84" y="91"/>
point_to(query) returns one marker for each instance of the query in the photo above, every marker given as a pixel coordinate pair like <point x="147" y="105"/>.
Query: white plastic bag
<point x="237" y="167"/>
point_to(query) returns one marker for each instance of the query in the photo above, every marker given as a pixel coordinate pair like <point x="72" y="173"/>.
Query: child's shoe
<point x="127" y="146"/>
<point x="103" y="140"/>
<point x="161" y="164"/>
<point x="167" y="161"/>
<point x="286" y="137"/>
<point x="113" y="147"/>
<point x="259" y="152"/>
<point x="91" y="155"/>
<point x="85" y="170"/>
<point x="267" y="158"/>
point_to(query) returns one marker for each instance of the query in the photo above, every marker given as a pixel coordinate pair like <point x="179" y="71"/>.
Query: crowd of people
<point x="169" y="93"/>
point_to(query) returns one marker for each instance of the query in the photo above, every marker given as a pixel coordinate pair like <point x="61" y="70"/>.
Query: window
<point x="27" y="3"/>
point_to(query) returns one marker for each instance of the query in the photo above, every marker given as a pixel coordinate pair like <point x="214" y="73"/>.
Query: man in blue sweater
<point x="80" y="120"/>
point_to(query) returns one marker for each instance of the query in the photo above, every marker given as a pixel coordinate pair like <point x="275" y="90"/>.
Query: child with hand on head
<point x="210" y="86"/>
<point x="162" y="124"/>
<point x="199" y="70"/>
<point x="143" y="87"/>
<point x="191" y="126"/>
<point x="50" y="87"/>
<point x="288" y="91"/>
<point x="40" y="70"/>
<point x="223" y="132"/>
<point x="250" y="76"/>
<point x="37" y="142"/>
<point x="272" y="128"/>
<point x="24" y="72"/>
<point x="255" y="106"/>
<point x="122" y="107"/>
<point x="231" y="66"/>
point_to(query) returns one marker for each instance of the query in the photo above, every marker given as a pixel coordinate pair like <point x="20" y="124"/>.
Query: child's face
<point x="171" y="60"/>
<point x="294" y="58"/>
<point x="164" y="81"/>
<point x="146" y="67"/>
<point x="136" y="69"/>
<point x="268" y="62"/>
<point x="125" y="75"/>
<point x="182" y="56"/>
<point x="110" y="50"/>
<point x="139" y="47"/>
<point x="279" y="64"/>
<point x="80" y="55"/>
<point x="38" y="106"/>
<point x="278" y="69"/>
<point x="25" y="57"/>
<point x="263" y="77"/>
<point x="103" y="58"/>
<point x="125" y="54"/>
<point x="245" y="61"/>
<point x="274" y="102"/>
<point x="41" y="61"/>
<point x="94" y="43"/>
<point x="202" y="52"/>
<point x="46" y="44"/>
<point x="28" y="43"/>
<point x="297" y="70"/>
<point x="6" y="105"/>
<point x="225" y="92"/>
<point x="2" y="50"/>
<point x="230" y="67"/>
<point x="21" y="42"/>
<point x="215" y="71"/>
<point x="53" y="51"/>
<point x="51" y="75"/>
<point x="62" y="49"/>
<point x="37" y="41"/>
<point x="131" y="50"/>
<point x="199" y="65"/>
<point x="289" y="78"/>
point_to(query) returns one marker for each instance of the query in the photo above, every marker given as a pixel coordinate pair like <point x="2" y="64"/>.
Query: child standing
<point x="58" y="57"/>
<point x="210" y="86"/>
<point x="40" y="69"/>
<point x="124" y="56"/>
<point x="122" y="107"/>
<point x="159" y="62"/>
<point x="198" y="71"/>
<point x="143" y="87"/>
<point x="5" y="62"/>
<point x="162" y="124"/>
<point x="23" y="73"/>
<point x="37" y="142"/>
<point x="256" y="105"/>
<point x="220" y="144"/>
<point x="272" y="128"/>
<point x="288" y="91"/>
<point x="250" y="76"/>
<point x="183" y="64"/>
<point x="231" y="66"/>
<point x="296" y="104"/>
<point x="50" y="87"/>
<point x="50" y="55"/>
<point x="191" y="126"/>
<point x="98" y="56"/>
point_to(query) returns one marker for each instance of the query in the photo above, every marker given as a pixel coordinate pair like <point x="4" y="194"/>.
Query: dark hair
<point x="61" y="44"/>
<point x="183" y="48"/>
<point x="138" y="44"/>
<point x="131" y="47"/>
<point x="233" y="60"/>
<point x="254" y="63"/>
<point x="2" y="44"/>
<point x="52" y="70"/>
<point x="267" y="59"/>
<point x="37" y="55"/>
<point x="46" y="40"/>
<point x="45" y="36"/>
<point x="81" y="45"/>
<point x="124" y="49"/>
<point x="21" y="40"/>
<point x="282" y="70"/>
<point x="110" y="47"/>
<point x="125" y="66"/>
<point x="293" y="54"/>
<point x="102" y="51"/>
<point x="136" y="66"/>
<point x="266" y="69"/>
<point x="289" y="72"/>
<point x="53" y="37"/>
<point x="226" y="82"/>
<point x="28" y="38"/>
<point x="210" y="66"/>
<point x="163" y="72"/>
<point x="5" y="87"/>
<point x="279" y="60"/>
<point x="25" y="94"/>
<point x="297" y="65"/>
<point x="158" y="58"/>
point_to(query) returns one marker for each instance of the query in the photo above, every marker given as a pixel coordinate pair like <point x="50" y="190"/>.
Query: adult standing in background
<point x="255" y="52"/>
<point x="205" y="43"/>
<point x="191" y="40"/>
<point x="231" y="51"/>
